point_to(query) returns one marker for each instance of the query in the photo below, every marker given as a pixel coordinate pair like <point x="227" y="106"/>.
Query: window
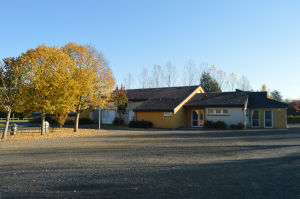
<point x="255" y="119"/>
<point x="218" y="111"/>
<point x="168" y="114"/>
<point x="197" y="118"/>
<point x="268" y="119"/>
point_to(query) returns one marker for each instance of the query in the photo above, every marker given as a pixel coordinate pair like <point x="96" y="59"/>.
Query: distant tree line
<point x="211" y="78"/>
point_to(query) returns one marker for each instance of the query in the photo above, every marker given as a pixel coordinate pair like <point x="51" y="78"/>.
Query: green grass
<point x="22" y="122"/>
<point x="3" y="121"/>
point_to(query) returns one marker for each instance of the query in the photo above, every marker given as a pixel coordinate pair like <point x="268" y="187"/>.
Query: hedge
<point x="293" y="119"/>
<point x="140" y="124"/>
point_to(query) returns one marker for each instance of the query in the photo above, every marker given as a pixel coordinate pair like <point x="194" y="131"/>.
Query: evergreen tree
<point x="276" y="95"/>
<point x="208" y="83"/>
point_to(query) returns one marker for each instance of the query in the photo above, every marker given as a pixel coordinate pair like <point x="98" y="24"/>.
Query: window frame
<point x="272" y="118"/>
<point x="214" y="112"/>
<point x="258" y="119"/>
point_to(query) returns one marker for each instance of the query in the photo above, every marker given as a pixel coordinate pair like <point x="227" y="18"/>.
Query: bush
<point x="81" y="121"/>
<point x="118" y="121"/>
<point x="208" y="124"/>
<point x="215" y="125"/>
<point x="241" y="126"/>
<point x="140" y="124"/>
<point x="48" y="118"/>
<point x="85" y="121"/>
<point x="234" y="126"/>
<point x="293" y="119"/>
<point x="238" y="126"/>
<point x="220" y="125"/>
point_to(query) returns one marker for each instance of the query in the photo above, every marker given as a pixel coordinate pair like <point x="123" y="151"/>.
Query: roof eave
<point x="153" y="110"/>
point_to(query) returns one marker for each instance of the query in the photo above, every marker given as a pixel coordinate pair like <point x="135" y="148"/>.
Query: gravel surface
<point x="154" y="164"/>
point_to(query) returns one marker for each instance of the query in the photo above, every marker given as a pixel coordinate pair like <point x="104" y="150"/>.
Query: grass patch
<point x="3" y="121"/>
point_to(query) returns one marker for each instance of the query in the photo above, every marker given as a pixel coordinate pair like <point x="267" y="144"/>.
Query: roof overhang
<point x="153" y="110"/>
<point x="214" y="106"/>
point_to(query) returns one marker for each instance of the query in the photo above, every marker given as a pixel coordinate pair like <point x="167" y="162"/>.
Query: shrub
<point x="140" y="124"/>
<point x="85" y="121"/>
<point x="237" y="126"/>
<point x="208" y="124"/>
<point x="48" y="118"/>
<point x="241" y="126"/>
<point x="220" y="125"/>
<point x="233" y="126"/>
<point x="293" y="119"/>
<point x="215" y="125"/>
<point x="118" y="121"/>
<point x="81" y="121"/>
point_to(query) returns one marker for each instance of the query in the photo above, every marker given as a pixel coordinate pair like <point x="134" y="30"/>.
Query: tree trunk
<point x="76" y="121"/>
<point x="6" y="124"/>
<point x="60" y="126"/>
<point x="43" y="115"/>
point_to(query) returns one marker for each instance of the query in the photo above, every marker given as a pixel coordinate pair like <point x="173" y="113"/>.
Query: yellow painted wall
<point x="279" y="117"/>
<point x="160" y="121"/>
<point x="85" y="113"/>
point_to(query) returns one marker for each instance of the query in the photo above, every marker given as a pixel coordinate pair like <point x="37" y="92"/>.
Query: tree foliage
<point x="294" y="108"/>
<point x="50" y="86"/>
<point x="11" y="80"/>
<point x="208" y="83"/>
<point x="276" y="95"/>
<point x="120" y="100"/>
<point x="61" y="117"/>
<point x="120" y="97"/>
<point x="94" y="80"/>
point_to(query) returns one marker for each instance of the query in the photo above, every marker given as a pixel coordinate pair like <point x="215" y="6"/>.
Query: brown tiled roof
<point x="160" y="99"/>
<point x="224" y="99"/>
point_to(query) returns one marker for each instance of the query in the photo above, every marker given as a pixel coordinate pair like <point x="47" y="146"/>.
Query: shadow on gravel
<point x="260" y="178"/>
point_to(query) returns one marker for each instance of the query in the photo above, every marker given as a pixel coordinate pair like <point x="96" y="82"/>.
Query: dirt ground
<point x="154" y="164"/>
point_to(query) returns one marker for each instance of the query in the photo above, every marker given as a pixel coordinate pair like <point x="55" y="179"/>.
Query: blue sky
<point x="258" y="39"/>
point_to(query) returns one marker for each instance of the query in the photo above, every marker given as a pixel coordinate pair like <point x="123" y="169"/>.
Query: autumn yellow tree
<point x="94" y="80"/>
<point x="50" y="84"/>
<point x="264" y="88"/>
<point x="11" y="79"/>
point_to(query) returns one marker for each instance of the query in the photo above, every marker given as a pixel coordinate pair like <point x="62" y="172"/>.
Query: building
<point x="190" y="107"/>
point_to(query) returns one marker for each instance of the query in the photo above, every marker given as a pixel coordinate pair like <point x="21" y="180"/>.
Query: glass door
<point x="197" y="118"/>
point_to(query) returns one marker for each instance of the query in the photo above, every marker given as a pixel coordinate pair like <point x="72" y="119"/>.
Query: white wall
<point x="108" y="116"/>
<point x="234" y="116"/>
<point x="130" y="114"/>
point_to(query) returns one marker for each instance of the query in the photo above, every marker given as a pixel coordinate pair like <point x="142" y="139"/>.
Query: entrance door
<point x="197" y="117"/>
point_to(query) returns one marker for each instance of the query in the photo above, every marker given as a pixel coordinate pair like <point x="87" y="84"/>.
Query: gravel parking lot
<point x="155" y="164"/>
